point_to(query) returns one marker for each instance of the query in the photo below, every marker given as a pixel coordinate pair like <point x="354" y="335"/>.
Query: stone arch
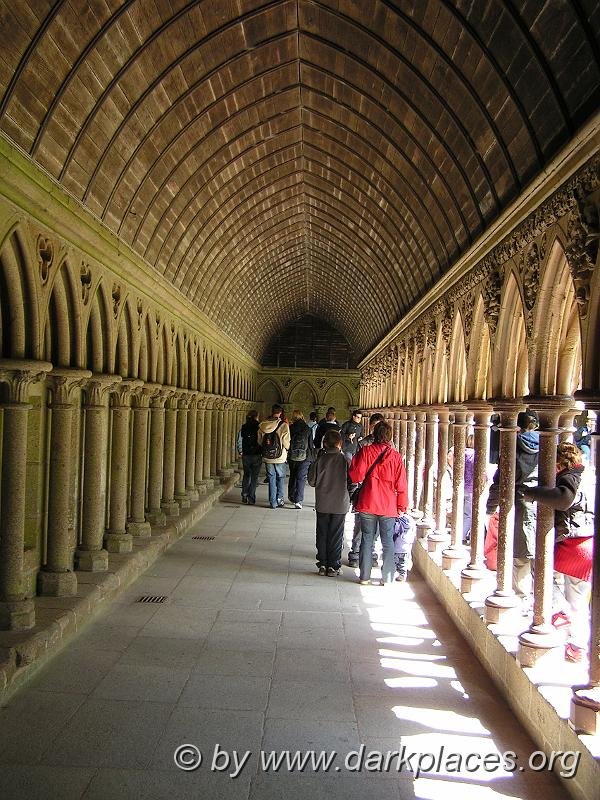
<point x="208" y="372"/>
<point x="339" y="396"/>
<point x="62" y="327"/>
<point x="146" y="360"/>
<point x="98" y="340"/>
<point x="267" y="394"/>
<point x="178" y="376"/>
<point x="457" y="366"/>
<point x="557" y="364"/>
<point x="591" y="337"/>
<point x="192" y="373"/>
<point x="510" y="358"/>
<point x="479" y="362"/>
<point x="19" y="314"/>
<point x="303" y="396"/>
<point x="163" y="367"/>
<point x="125" y="349"/>
<point x="440" y="369"/>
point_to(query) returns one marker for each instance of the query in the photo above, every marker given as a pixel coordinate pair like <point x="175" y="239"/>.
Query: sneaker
<point x="332" y="572"/>
<point x="298" y="506"/>
<point x="401" y="576"/>
<point x="375" y="561"/>
<point x="322" y="571"/>
<point x="574" y="653"/>
<point x="352" y="562"/>
<point x="560" y="620"/>
<point x="364" y="582"/>
<point x="244" y="500"/>
<point x="281" y="503"/>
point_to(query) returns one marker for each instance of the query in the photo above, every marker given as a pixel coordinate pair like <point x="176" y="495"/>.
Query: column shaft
<point x="138" y="526"/>
<point x="155" y="462"/>
<point x="168" y="504"/>
<point x="199" y="472"/>
<point x="180" y="455"/>
<point x="475" y="570"/>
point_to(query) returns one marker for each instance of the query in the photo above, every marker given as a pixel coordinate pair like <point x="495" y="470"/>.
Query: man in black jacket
<point x="249" y="449"/>
<point x="352" y="433"/>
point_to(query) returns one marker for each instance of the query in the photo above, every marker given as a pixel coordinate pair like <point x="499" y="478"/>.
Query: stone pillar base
<point x="415" y="513"/>
<point x="202" y="489"/>
<point x="498" y="608"/>
<point x="209" y="483"/>
<point x="193" y="494"/>
<point x="470" y="577"/>
<point x="538" y="646"/>
<point x="436" y="542"/>
<point x="182" y="500"/>
<point x="118" y="542"/>
<point x="91" y="560"/>
<point x="17" y="615"/>
<point x="454" y="558"/>
<point x="424" y="528"/>
<point x="57" y="584"/>
<point x="170" y="507"/>
<point x="157" y="517"/>
<point x="141" y="530"/>
<point x="585" y="710"/>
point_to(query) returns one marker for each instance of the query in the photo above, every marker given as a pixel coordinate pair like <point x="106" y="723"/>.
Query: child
<point x="404" y="536"/>
<point x="329" y="475"/>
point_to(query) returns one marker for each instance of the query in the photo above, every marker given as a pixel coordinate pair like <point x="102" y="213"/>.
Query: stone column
<point x="410" y="454"/>
<point x="181" y="495"/>
<point x="17" y="611"/>
<point x="456" y="555"/>
<point x="541" y="637"/>
<point x="475" y="571"/>
<point x="225" y="418"/>
<point x="116" y="538"/>
<point x="401" y="416"/>
<point x="417" y="498"/>
<point x="168" y="504"/>
<point x="566" y="424"/>
<point x="57" y="577"/>
<point x="439" y="538"/>
<point x="208" y="443"/>
<point x="200" y="454"/>
<point x="585" y="702"/>
<point x="503" y="601"/>
<point x="190" y="462"/>
<point x="91" y="556"/>
<point x="217" y="439"/>
<point x="155" y="513"/>
<point x="427" y="523"/>
<point x="138" y="525"/>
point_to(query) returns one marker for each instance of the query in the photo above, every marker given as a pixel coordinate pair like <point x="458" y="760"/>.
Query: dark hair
<point x="331" y="408"/>
<point x="357" y="412"/>
<point x="376" y="417"/>
<point x="527" y="420"/>
<point x="252" y="414"/>
<point x="276" y="408"/>
<point x="313" y="415"/>
<point x="331" y="438"/>
<point x="382" y="433"/>
<point x="330" y="414"/>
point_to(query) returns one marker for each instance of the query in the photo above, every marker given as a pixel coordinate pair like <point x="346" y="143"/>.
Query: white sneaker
<point x="297" y="505"/>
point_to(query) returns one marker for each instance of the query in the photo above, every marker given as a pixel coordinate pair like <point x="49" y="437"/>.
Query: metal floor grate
<point x="153" y="598"/>
<point x="204" y="538"/>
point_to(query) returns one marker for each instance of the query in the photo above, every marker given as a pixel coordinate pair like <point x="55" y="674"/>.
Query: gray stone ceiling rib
<point x="297" y="155"/>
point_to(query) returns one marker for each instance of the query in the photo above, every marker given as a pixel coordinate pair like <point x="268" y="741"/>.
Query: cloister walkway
<point x="252" y="651"/>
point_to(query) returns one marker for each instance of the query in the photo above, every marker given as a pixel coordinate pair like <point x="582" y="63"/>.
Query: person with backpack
<point x="250" y="451"/>
<point x="300" y="456"/>
<point x="274" y="441"/>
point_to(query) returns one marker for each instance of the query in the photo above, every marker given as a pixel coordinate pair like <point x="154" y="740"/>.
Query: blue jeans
<point x="369" y="523"/>
<point x="276" y="476"/>
<point x="298" y="473"/>
<point x="252" y="466"/>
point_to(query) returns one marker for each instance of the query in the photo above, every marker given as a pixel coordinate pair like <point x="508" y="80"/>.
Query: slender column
<point x="217" y="437"/>
<point x="200" y="454"/>
<point x="401" y="416"/>
<point x="91" y="556"/>
<point x="410" y="453"/>
<point x="504" y="600"/>
<point x="169" y="505"/>
<point x="566" y="424"/>
<point x="456" y="555"/>
<point x="419" y="452"/>
<point x="475" y="571"/>
<point x="225" y="418"/>
<point x="181" y="495"/>
<point x="427" y="522"/>
<point x="585" y="702"/>
<point x="155" y="513"/>
<point x="57" y="577"/>
<point x="439" y="537"/>
<point x="541" y="637"/>
<point x="138" y="525"/>
<point x="208" y="442"/>
<point x="116" y="539"/>
<point x="190" y="462"/>
<point x="17" y="612"/>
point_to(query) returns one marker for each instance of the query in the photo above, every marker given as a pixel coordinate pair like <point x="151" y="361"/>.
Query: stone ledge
<point x="58" y="619"/>
<point x="539" y="717"/>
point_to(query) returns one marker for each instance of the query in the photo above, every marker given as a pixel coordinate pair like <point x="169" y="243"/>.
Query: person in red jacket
<point x="383" y="497"/>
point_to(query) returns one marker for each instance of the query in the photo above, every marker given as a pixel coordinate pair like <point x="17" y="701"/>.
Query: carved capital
<point x="97" y="388"/>
<point x="122" y="393"/>
<point x="18" y="375"/>
<point x="63" y="382"/>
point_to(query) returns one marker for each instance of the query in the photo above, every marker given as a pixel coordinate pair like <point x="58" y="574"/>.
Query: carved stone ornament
<point x="420" y="339"/>
<point x="529" y="264"/>
<point x="116" y="297"/>
<point x="85" y="274"/>
<point x="447" y="328"/>
<point x="157" y="321"/>
<point x="582" y="251"/>
<point x="45" y="252"/>
<point x="321" y="382"/>
<point x="140" y="314"/>
<point x="492" y="290"/>
<point x="286" y="382"/>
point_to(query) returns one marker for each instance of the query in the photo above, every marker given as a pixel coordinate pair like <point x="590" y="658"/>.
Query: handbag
<point x="356" y="493"/>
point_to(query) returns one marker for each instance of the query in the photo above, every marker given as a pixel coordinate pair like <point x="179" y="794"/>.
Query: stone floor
<point x="253" y="651"/>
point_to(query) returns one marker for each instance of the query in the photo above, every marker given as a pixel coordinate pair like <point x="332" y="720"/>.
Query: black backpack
<point x="250" y="439"/>
<point x="271" y="447"/>
<point x="299" y="444"/>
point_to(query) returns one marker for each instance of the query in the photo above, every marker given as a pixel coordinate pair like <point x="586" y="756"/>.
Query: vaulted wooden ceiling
<point x="272" y="159"/>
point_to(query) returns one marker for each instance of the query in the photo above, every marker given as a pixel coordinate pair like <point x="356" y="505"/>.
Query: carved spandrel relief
<point x="583" y="233"/>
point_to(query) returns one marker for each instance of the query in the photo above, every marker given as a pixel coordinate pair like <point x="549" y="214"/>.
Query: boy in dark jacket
<point x="329" y="475"/>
